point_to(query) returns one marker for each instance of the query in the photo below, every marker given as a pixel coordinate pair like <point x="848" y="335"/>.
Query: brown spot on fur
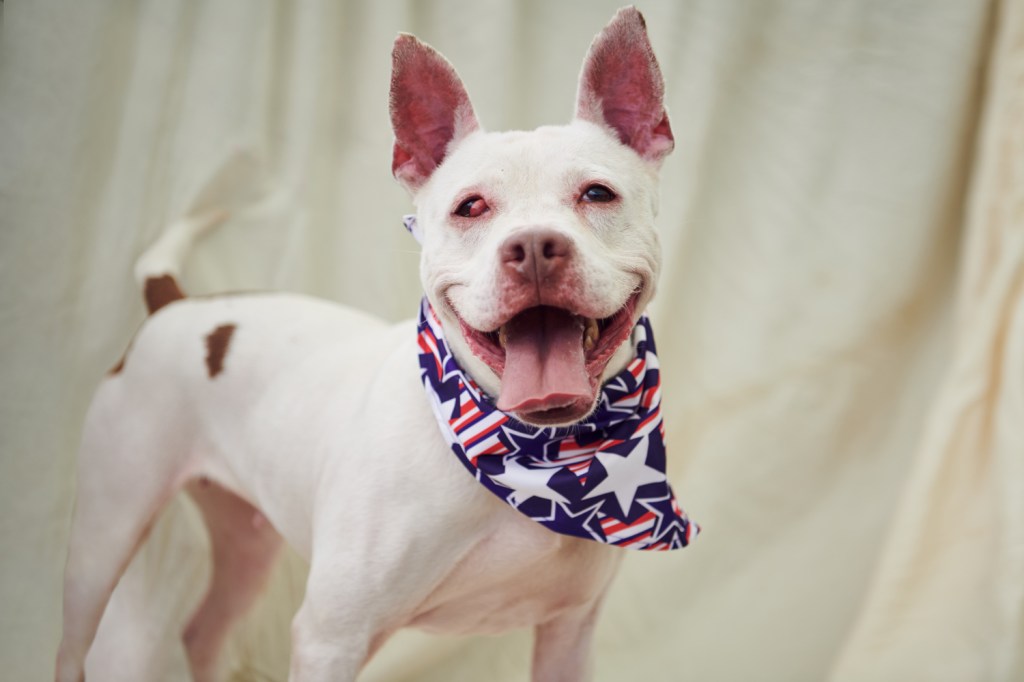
<point x="217" y="347"/>
<point x="160" y="291"/>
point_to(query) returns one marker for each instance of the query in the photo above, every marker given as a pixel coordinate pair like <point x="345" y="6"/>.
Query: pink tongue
<point x="544" y="363"/>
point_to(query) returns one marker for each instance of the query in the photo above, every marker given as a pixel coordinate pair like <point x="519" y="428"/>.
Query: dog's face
<point x="539" y="249"/>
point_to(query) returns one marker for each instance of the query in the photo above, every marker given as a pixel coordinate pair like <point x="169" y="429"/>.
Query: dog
<point x="292" y="419"/>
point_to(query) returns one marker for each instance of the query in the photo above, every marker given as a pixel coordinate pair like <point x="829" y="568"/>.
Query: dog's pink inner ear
<point x="429" y="110"/>
<point x="621" y="86"/>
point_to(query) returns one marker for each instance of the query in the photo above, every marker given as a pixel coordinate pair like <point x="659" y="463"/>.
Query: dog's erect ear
<point x="429" y="110"/>
<point x="621" y="87"/>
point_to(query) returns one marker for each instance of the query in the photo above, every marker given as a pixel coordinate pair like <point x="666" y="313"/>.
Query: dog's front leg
<point x="561" y="647"/>
<point x="369" y="574"/>
<point x="341" y="620"/>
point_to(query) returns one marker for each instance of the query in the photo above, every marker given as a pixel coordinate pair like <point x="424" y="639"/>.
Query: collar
<point x="602" y="479"/>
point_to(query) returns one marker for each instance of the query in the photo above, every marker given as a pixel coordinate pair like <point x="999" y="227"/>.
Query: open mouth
<point x="550" y="359"/>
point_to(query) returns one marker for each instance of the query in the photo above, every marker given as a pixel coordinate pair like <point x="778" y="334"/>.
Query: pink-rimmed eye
<point x="473" y="207"/>
<point x="597" y="194"/>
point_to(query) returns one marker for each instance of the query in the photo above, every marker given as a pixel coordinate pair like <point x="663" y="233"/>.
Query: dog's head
<point x="539" y="250"/>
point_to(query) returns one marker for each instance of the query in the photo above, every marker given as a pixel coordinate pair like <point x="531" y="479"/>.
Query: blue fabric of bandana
<point x="602" y="479"/>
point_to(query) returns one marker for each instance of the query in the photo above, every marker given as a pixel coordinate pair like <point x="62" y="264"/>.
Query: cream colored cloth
<point x="946" y="602"/>
<point x="840" y="318"/>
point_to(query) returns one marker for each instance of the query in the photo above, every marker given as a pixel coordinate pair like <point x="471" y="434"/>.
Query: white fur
<point x="318" y="420"/>
<point x="537" y="176"/>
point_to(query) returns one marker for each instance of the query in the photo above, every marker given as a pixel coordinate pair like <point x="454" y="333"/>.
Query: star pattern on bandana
<point x="528" y="440"/>
<point x="583" y="521"/>
<point x="526" y="483"/>
<point x="625" y="475"/>
<point x="602" y="479"/>
<point x="669" y="523"/>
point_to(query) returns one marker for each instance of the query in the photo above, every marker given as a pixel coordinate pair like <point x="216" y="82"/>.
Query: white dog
<point x="539" y="256"/>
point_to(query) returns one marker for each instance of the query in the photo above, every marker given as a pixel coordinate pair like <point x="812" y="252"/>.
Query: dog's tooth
<point x="502" y="336"/>
<point x="590" y="334"/>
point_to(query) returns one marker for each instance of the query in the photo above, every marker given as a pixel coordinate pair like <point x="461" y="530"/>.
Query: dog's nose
<point x="536" y="254"/>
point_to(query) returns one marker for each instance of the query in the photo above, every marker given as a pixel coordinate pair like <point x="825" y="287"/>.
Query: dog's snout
<point x="537" y="253"/>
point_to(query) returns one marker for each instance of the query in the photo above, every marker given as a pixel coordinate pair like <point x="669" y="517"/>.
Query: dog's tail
<point x="158" y="269"/>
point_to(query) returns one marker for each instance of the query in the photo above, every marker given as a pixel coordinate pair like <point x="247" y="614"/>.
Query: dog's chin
<point x="553" y="400"/>
<point x="564" y="415"/>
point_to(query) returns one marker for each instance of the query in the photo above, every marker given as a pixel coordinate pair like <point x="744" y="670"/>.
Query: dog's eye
<point x="473" y="207"/>
<point x="597" y="194"/>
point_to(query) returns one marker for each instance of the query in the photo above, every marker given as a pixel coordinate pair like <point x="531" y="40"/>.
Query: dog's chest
<point x="519" y="575"/>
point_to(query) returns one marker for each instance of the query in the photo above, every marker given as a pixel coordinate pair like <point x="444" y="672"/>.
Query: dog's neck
<point x="601" y="479"/>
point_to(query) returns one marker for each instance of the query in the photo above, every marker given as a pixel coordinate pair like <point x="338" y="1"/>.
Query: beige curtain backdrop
<point x="840" y="318"/>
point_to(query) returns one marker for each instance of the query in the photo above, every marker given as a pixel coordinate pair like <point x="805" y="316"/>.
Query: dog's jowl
<point x="529" y="454"/>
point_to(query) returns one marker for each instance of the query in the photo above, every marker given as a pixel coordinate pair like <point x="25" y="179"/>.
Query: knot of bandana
<point x="602" y="479"/>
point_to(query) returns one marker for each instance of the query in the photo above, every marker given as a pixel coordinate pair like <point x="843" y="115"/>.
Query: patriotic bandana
<point x="602" y="479"/>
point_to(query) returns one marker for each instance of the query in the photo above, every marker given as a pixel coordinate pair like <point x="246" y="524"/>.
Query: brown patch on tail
<point x="161" y="291"/>
<point x="217" y="347"/>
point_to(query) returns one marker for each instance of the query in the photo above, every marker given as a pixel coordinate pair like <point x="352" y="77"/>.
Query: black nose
<point x="538" y="253"/>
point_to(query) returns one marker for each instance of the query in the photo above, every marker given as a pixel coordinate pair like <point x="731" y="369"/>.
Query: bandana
<point x="602" y="479"/>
